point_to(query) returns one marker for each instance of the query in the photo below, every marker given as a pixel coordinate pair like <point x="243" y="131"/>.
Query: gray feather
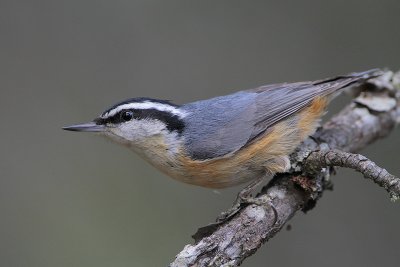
<point x="222" y="125"/>
<point x="218" y="126"/>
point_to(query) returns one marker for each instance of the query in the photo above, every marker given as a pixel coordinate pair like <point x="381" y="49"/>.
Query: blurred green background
<point x="77" y="200"/>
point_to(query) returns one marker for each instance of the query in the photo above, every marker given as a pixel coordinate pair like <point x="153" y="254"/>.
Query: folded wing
<point x="222" y="125"/>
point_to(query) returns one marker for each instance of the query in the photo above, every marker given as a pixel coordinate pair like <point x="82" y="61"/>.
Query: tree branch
<point x="330" y="158"/>
<point x="372" y="115"/>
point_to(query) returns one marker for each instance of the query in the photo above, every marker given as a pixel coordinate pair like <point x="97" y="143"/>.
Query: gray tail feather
<point x="332" y="87"/>
<point x="353" y="77"/>
<point x="369" y="74"/>
<point x="356" y="78"/>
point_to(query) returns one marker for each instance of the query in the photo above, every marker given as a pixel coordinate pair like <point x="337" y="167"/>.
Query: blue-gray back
<point x="217" y="126"/>
<point x="222" y="125"/>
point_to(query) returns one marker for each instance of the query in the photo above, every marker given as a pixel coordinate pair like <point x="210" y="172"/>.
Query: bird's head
<point x="136" y="122"/>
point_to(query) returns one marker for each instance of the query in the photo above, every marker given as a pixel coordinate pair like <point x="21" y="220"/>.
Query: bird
<point x="226" y="140"/>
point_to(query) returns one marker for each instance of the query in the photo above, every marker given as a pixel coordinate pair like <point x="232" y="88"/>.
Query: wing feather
<point x="222" y="125"/>
<point x="276" y="102"/>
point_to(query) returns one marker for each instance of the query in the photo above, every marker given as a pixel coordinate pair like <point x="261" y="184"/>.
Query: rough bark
<point x="372" y="115"/>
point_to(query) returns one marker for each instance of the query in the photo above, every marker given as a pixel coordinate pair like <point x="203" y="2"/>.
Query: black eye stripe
<point x="118" y="117"/>
<point x="172" y="122"/>
<point x="126" y="115"/>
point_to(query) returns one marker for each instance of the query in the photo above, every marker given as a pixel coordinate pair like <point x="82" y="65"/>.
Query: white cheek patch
<point x="145" y="137"/>
<point x="138" y="130"/>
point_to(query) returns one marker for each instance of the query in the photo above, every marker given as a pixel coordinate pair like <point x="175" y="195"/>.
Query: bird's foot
<point x="244" y="197"/>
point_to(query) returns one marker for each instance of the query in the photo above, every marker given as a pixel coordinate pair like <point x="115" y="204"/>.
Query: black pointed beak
<point x="86" y="127"/>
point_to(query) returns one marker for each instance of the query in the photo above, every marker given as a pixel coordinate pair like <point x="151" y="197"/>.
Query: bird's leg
<point x="243" y="197"/>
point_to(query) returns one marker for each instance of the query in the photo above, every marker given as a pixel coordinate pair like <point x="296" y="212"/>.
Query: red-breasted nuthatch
<point x="226" y="140"/>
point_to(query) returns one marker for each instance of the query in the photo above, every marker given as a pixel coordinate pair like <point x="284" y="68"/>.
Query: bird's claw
<point x="242" y="199"/>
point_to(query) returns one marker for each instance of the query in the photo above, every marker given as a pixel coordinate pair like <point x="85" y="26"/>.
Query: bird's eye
<point x="127" y="115"/>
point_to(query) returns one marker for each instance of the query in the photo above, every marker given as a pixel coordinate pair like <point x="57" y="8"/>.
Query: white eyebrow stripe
<point x="145" y="105"/>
